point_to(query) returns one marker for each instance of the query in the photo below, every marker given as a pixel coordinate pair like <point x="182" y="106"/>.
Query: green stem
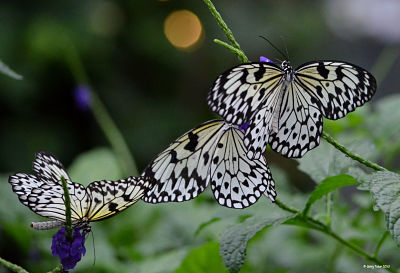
<point x="101" y="115"/>
<point x="12" y="267"/>
<point x="352" y="155"/>
<point x="234" y="50"/>
<point x="225" y="29"/>
<point x="58" y="269"/>
<point x="380" y="243"/>
<point x="329" y="209"/>
<point x="67" y="202"/>
<point x="317" y="225"/>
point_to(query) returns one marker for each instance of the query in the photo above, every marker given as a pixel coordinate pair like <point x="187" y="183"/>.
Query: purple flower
<point x="82" y="96"/>
<point x="70" y="253"/>
<point x="265" y="60"/>
<point x="244" y="126"/>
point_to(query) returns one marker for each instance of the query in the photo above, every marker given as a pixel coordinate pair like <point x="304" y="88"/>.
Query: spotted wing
<point x="111" y="197"/>
<point x="181" y="171"/>
<point x="48" y="168"/>
<point x="299" y="123"/>
<point x="340" y="87"/>
<point x="241" y="91"/>
<point x="46" y="198"/>
<point x="236" y="181"/>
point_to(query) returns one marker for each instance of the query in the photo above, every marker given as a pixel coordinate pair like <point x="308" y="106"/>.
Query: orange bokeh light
<point x="182" y="28"/>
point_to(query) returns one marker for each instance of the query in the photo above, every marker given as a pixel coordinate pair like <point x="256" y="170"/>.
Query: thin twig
<point x="225" y="28"/>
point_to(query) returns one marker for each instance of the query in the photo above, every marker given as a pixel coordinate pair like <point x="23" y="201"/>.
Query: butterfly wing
<point x="48" y="168"/>
<point x="340" y="87"/>
<point x="236" y="181"/>
<point x="111" y="197"/>
<point x="300" y="122"/>
<point x="46" y="198"/>
<point x="182" y="170"/>
<point x="238" y="93"/>
<point x="328" y="88"/>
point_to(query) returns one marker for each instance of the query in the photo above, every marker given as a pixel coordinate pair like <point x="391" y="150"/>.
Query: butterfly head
<point x="288" y="70"/>
<point x="286" y="66"/>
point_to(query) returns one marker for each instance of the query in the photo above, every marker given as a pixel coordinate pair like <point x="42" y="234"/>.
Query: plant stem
<point x="329" y="208"/>
<point x="67" y="203"/>
<point x="380" y="243"/>
<point x="58" y="269"/>
<point x="12" y="267"/>
<point x="236" y="51"/>
<point x="352" y="155"/>
<point x="101" y="115"/>
<point x="317" y="225"/>
<point x="225" y="28"/>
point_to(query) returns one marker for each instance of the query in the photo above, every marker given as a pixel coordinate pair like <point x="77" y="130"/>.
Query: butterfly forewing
<point x="110" y="197"/>
<point x="239" y="92"/>
<point x="340" y="87"/>
<point x="48" y="167"/>
<point x="181" y="171"/>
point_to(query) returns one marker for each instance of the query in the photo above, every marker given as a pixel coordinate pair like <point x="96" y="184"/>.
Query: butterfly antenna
<point x="284" y="42"/>
<point x="276" y="48"/>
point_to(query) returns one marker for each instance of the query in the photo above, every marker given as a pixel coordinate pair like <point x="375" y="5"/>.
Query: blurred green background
<point x="155" y="91"/>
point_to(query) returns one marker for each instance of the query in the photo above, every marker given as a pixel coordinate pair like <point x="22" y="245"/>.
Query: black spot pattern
<point x="44" y="195"/>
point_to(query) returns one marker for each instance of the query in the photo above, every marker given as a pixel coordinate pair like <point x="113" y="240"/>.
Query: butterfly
<point x="284" y="107"/>
<point x="43" y="194"/>
<point x="212" y="153"/>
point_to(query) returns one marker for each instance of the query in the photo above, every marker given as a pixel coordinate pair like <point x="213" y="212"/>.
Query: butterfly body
<point x="285" y="107"/>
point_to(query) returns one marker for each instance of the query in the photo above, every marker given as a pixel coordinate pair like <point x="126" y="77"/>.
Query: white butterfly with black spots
<point x="284" y="107"/>
<point x="212" y="153"/>
<point x="43" y="194"/>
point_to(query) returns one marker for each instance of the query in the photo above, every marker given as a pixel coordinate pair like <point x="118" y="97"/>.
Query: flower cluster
<point x="70" y="253"/>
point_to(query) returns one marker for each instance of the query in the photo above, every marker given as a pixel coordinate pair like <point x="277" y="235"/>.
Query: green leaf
<point x="325" y="161"/>
<point x="385" y="188"/>
<point x="97" y="164"/>
<point x="9" y="72"/>
<point x="234" y="240"/>
<point x="204" y="225"/>
<point x="205" y="258"/>
<point x="328" y="185"/>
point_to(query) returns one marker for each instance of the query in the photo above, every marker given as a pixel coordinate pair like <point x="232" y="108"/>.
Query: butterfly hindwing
<point x="47" y="198"/>
<point x="237" y="181"/>
<point x="299" y="125"/>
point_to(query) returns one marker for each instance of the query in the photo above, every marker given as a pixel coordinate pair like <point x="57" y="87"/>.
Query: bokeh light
<point x="182" y="29"/>
<point x="106" y="18"/>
